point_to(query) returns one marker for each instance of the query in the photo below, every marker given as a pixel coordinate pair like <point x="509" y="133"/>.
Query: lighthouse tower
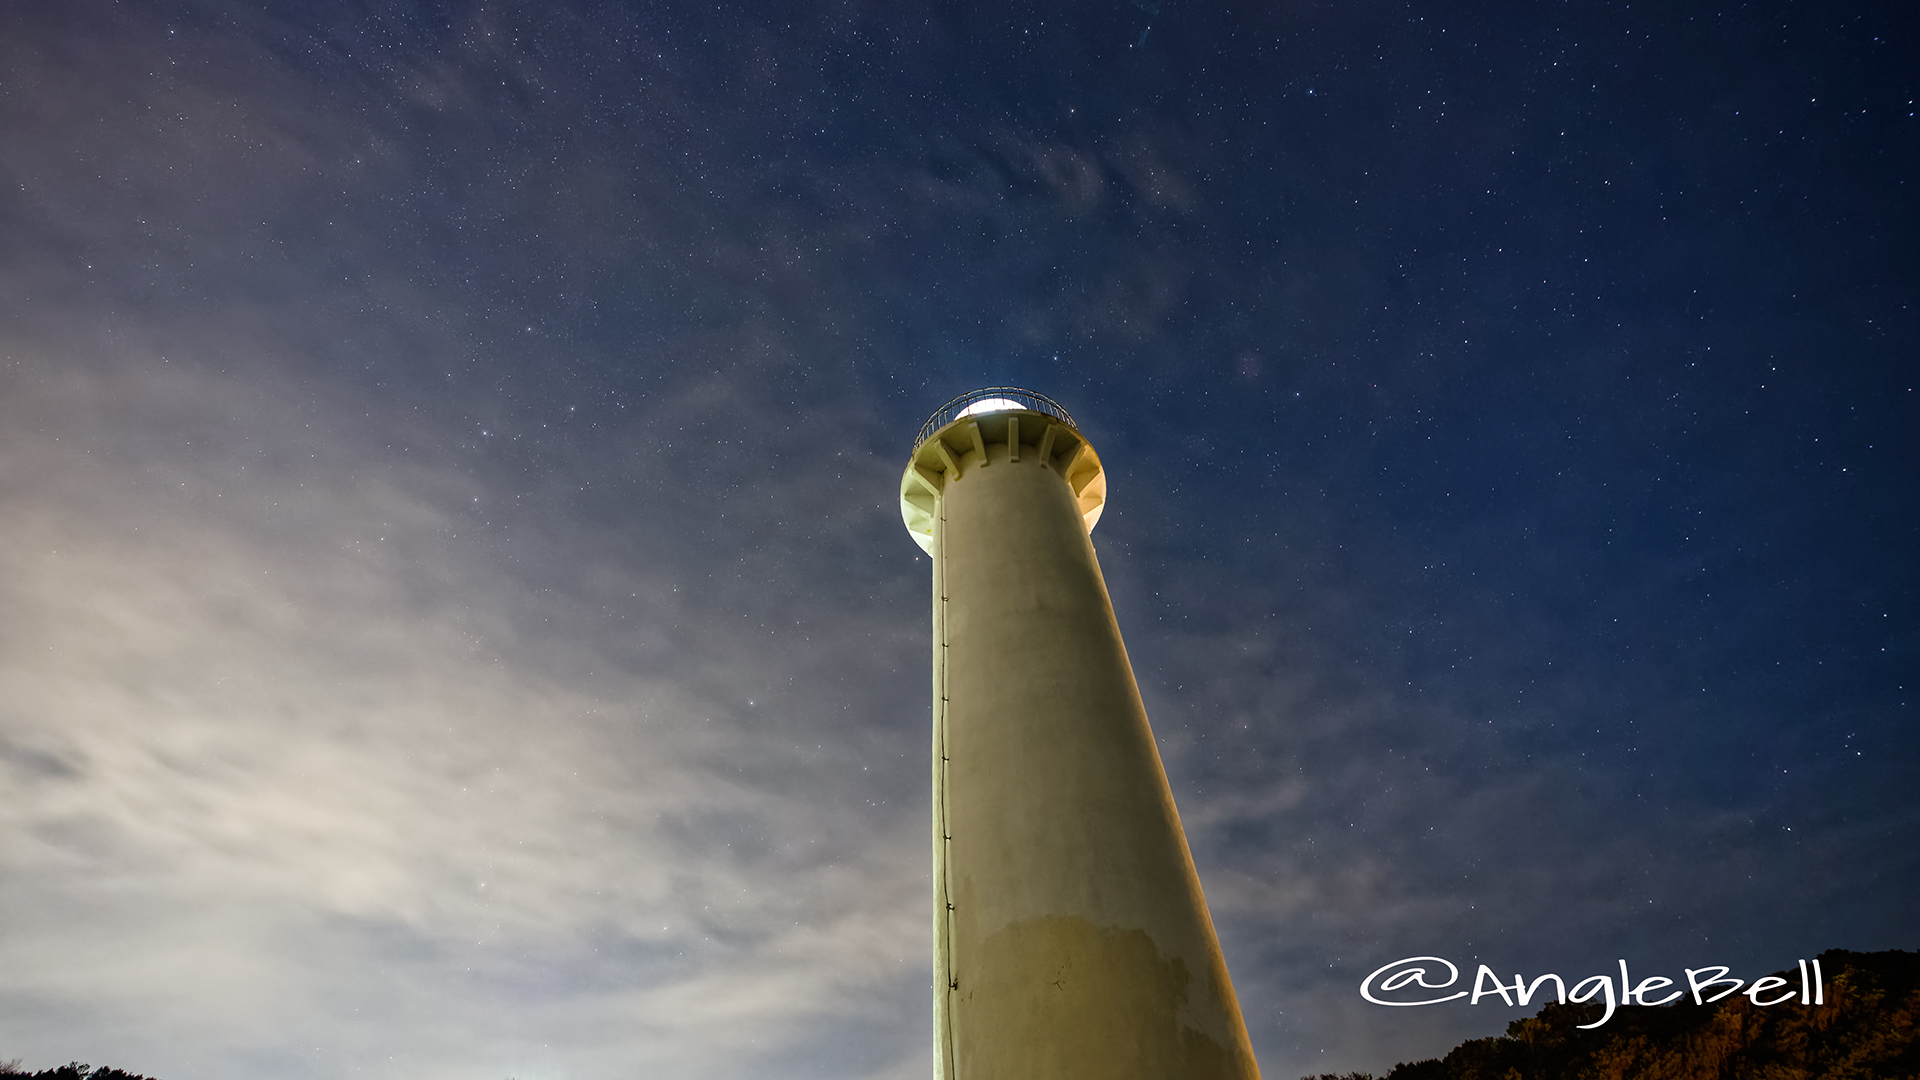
<point x="1071" y="939"/>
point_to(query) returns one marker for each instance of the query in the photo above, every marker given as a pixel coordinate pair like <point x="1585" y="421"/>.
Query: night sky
<point x="456" y="622"/>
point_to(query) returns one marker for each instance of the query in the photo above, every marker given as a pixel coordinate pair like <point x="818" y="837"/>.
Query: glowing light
<point x="992" y="404"/>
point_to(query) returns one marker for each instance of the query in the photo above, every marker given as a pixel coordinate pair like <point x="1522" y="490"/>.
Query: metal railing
<point x="991" y="399"/>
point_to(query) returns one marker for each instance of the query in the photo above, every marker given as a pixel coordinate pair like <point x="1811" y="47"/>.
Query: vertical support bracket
<point x="1046" y="445"/>
<point x="979" y="443"/>
<point x="920" y="476"/>
<point x="953" y="467"/>
<point x="1013" y="438"/>
<point x="1073" y="461"/>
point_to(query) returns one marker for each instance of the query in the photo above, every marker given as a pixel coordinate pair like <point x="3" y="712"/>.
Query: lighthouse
<point x="1071" y="938"/>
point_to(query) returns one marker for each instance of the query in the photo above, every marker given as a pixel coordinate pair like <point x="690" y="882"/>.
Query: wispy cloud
<point x="267" y="720"/>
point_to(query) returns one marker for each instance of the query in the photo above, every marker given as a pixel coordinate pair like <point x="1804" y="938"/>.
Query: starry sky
<point x="455" y="619"/>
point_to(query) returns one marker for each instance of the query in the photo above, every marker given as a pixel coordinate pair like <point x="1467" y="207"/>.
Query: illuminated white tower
<point x="1071" y="939"/>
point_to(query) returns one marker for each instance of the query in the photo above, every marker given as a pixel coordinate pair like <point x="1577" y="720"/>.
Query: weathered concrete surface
<point x="1077" y="943"/>
<point x="1107" y="1004"/>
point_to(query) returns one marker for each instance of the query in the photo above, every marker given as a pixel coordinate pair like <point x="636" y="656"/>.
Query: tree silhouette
<point x="71" y="1071"/>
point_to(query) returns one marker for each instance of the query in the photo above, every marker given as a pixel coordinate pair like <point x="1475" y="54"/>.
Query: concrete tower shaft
<point x="1071" y="936"/>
